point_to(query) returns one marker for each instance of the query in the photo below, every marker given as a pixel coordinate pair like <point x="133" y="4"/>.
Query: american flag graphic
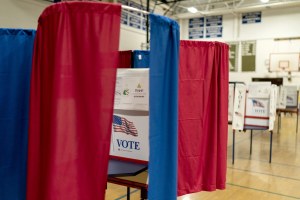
<point x="121" y="124"/>
<point x="257" y="103"/>
<point x="289" y="98"/>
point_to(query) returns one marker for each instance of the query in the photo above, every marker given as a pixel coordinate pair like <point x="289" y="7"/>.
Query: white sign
<point x="239" y="107"/>
<point x="132" y="89"/>
<point x="230" y="102"/>
<point x="259" y="90"/>
<point x="273" y="99"/>
<point x="282" y="98"/>
<point x="291" y="96"/>
<point x="258" y="104"/>
<point x="257" y="112"/>
<point x="130" y="136"/>
<point x="130" y="131"/>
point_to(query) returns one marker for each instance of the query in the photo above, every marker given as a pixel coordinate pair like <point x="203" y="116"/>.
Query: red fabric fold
<point x="71" y="101"/>
<point x="125" y="58"/>
<point x="203" y="96"/>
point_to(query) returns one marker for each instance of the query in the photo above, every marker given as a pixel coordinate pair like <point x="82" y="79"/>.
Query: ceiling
<point x="178" y="8"/>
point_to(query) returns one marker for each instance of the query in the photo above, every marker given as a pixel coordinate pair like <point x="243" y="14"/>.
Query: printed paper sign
<point x="132" y="89"/>
<point x="259" y="90"/>
<point x="239" y="107"/>
<point x="258" y="104"/>
<point x="282" y="98"/>
<point x="230" y="102"/>
<point x="130" y="136"/>
<point x="291" y="96"/>
<point x="273" y="99"/>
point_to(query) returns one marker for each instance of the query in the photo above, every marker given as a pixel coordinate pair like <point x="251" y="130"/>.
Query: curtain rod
<point x="123" y="7"/>
<point x="135" y="9"/>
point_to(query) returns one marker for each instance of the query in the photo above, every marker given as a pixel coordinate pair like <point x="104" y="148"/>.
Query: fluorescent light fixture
<point x="192" y="9"/>
<point x="264" y="1"/>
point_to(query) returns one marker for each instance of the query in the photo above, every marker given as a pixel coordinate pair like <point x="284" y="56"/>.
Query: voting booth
<point x="254" y="109"/>
<point x="287" y="102"/>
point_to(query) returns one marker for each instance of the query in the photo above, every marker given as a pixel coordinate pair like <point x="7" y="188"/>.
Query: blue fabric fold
<point x="16" y="47"/>
<point x="164" y="56"/>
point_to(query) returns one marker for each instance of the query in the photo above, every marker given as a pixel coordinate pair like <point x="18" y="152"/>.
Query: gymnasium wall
<point x="279" y="23"/>
<point x="25" y="13"/>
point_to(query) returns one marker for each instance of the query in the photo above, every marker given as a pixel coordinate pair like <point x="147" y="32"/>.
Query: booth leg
<point x="297" y="121"/>
<point x="144" y="194"/>
<point x="271" y="141"/>
<point x="128" y="193"/>
<point x="251" y="136"/>
<point x="279" y="122"/>
<point x="233" y="145"/>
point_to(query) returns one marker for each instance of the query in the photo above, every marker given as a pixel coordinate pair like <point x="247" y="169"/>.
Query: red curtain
<point x="203" y="100"/>
<point x="71" y="101"/>
<point x="125" y="59"/>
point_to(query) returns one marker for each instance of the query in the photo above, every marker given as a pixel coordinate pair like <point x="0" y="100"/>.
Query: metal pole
<point x="251" y="142"/>
<point x="271" y="140"/>
<point x="147" y="24"/>
<point x="233" y="141"/>
<point x="128" y="193"/>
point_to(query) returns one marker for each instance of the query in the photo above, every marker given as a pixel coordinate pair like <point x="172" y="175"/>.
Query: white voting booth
<point x="288" y="97"/>
<point x="254" y="108"/>
<point x="130" y="131"/>
<point x="288" y="101"/>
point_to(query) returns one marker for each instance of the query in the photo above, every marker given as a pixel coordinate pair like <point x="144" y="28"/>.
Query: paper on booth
<point x="130" y="128"/>
<point x="273" y="99"/>
<point x="239" y="107"/>
<point x="291" y="96"/>
<point x="230" y="102"/>
<point x="132" y="89"/>
<point x="282" y="98"/>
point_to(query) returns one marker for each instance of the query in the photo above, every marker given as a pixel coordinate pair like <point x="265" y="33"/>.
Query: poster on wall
<point x="131" y="18"/>
<point x="124" y="16"/>
<point x="214" y="31"/>
<point x="239" y="107"/>
<point x="251" y="17"/>
<point x="214" y="28"/>
<point x="196" y="28"/>
<point x="214" y="20"/>
<point x="248" y="56"/>
<point x="233" y="56"/>
<point x="132" y="89"/>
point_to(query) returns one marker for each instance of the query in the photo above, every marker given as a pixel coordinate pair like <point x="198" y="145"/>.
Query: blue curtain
<point x="16" y="48"/>
<point x="141" y="59"/>
<point x="164" y="55"/>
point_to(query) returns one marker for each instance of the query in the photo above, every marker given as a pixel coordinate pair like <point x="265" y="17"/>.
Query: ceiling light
<point x="192" y="9"/>
<point x="264" y="1"/>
